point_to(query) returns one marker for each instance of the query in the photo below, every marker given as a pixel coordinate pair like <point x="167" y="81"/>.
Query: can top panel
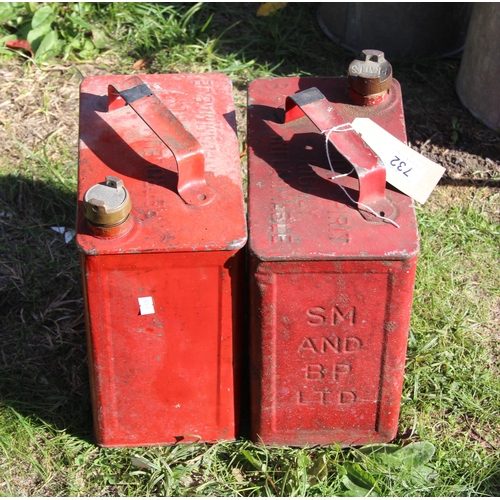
<point x="296" y="210"/>
<point x="119" y="143"/>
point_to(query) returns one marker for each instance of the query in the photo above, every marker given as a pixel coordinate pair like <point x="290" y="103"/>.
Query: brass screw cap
<point x="107" y="204"/>
<point x="370" y="75"/>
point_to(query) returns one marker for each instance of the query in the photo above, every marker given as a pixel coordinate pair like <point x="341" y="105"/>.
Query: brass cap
<point x="107" y="204"/>
<point x="370" y="74"/>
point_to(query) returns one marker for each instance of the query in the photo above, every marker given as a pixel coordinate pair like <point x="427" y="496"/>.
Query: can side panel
<point x="166" y="376"/>
<point x="328" y="346"/>
<point x="235" y="282"/>
<point x="94" y="397"/>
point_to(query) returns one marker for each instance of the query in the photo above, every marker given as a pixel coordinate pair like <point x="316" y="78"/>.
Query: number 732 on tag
<point x="401" y="166"/>
<point x="407" y="170"/>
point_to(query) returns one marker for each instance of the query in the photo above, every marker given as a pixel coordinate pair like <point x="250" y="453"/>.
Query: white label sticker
<point x="146" y="305"/>
<point x="407" y="170"/>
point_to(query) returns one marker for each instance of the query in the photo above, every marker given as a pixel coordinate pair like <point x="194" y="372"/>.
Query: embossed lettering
<point x="280" y="216"/>
<point x="318" y="316"/>
<point x="340" y="220"/>
<point x="279" y="154"/>
<point x="307" y="180"/>
<point x="315" y="372"/>
<point x="340" y="316"/>
<point x="155" y="174"/>
<point x="203" y="98"/>
<point x="281" y="237"/>
<point x="340" y="236"/>
<point x="347" y="397"/>
<point x="206" y="115"/>
<point x="369" y="69"/>
<point x="335" y="371"/>
<point x="352" y="344"/>
<point x="198" y="82"/>
<point x="279" y="228"/>
<point x="279" y="232"/>
<point x="334" y="344"/>
<point x="338" y="230"/>
<point x="313" y="397"/>
<point x="306" y="345"/>
<point x="341" y="369"/>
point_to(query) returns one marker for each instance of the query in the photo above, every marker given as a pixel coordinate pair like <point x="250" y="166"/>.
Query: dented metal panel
<point x="330" y="291"/>
<point x="162" y="287"/>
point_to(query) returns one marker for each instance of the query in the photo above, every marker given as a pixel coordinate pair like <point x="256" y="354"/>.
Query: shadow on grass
<point x="43" y="366"/>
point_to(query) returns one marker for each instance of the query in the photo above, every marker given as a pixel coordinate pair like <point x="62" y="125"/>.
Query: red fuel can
<point x="331" y="283"/>
<point x="161" y="227"/>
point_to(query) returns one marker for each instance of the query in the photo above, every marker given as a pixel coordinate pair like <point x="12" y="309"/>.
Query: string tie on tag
<point x="346" y="127"/>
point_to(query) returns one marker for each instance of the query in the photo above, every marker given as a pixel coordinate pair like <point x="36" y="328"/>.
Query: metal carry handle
<point x="371" y="173"/>
<point x="188" y="154"/>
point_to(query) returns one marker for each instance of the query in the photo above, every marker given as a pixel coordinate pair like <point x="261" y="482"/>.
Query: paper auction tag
<point x="407" y="170"/>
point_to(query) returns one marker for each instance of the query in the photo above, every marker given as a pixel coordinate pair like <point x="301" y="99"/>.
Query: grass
<point x="449" y="435"/>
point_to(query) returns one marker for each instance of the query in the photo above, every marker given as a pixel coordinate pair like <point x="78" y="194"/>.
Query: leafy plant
<point x="51" y="29"/>
<point x="377" y="465"/>
<point x="456" y="130"/>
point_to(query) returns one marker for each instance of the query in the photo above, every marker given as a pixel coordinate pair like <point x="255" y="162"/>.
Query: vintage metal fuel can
<point x="161" y="227"/>
<point x="332" y="264"/>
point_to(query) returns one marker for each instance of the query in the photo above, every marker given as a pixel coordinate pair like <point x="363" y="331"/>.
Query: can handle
<point x="370" y="171"/>
<point x="188" y="154"/>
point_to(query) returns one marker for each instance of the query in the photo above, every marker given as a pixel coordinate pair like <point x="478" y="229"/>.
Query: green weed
<point x="51" y="29"/>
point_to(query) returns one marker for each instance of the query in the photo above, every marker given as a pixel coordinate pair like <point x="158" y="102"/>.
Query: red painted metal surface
<point x="189" y="157"/>
<point x="369" y="169"/>
<point x="171" y="375"/>
<point x="331" y="292"/>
